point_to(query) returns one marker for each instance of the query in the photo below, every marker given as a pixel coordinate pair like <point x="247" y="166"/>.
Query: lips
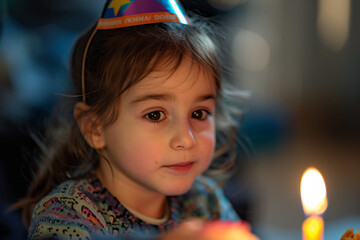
<point x="180" y="167"/>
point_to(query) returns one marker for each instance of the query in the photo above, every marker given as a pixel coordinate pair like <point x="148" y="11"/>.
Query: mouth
<point x="180" y="167"/>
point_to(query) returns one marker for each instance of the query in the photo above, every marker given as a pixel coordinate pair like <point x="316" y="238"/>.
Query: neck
<point x="133" y="195"/>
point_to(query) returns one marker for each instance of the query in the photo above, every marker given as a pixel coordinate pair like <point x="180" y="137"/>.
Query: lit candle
<point x="313" y="228"/>
<point x="314" y="201"/>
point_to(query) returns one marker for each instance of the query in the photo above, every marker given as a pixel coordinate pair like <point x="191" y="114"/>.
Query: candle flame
<point x="313" y="192"/>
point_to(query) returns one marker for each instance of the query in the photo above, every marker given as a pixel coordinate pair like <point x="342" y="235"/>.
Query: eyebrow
<point x="168" y="98"/>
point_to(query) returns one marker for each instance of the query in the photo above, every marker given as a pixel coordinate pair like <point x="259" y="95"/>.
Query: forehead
<point x="168" y="76"/>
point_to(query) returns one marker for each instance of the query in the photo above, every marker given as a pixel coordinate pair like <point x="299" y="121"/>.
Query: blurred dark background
<point x="297" y="61"/>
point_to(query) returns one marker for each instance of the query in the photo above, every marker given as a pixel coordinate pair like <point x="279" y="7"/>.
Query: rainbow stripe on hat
<point x="126" y="13"/>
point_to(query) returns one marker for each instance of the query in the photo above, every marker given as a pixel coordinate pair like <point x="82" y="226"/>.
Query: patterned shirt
<point x="85" y="209"/>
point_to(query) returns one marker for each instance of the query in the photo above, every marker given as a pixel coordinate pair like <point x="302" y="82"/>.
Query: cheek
<point x="208" y="144"/>
<point x="144" y="154"/>
<point x="210" y="137"/>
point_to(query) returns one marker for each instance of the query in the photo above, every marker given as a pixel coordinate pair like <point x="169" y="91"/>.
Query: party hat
<point x="126" y="13"/>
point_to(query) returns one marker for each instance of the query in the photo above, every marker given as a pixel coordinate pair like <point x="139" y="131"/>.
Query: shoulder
<point x="206" y="199"/>
<point x="205" y="187"/>
<point x="68" y="211"/>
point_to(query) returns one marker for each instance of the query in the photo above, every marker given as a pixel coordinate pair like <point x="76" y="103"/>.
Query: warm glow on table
<point x="314" y="201"/>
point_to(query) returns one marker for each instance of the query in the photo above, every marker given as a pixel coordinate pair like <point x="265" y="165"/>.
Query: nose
<point x="183" y="139"/>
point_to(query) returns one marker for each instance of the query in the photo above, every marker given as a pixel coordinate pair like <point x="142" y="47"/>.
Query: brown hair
<point x="117" y="60"/>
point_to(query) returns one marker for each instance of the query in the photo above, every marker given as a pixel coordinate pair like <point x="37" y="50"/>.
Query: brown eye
<point x="155" y="116"/>
<point x="199" y="114"/>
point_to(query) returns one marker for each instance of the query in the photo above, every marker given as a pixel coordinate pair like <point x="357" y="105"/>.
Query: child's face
<point x="164" y="136"/>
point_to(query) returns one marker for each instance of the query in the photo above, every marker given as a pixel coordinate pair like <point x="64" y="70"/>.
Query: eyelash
<point x="163" y="115"/>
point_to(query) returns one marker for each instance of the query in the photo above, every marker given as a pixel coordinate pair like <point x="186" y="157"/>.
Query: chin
<point x="178" y="188"/>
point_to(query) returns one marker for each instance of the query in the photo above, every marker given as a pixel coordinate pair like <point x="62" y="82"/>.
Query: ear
<point x="90" y="126"/>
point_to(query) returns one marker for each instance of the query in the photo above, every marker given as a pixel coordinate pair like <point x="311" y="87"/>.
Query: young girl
<point x="132" y="162"/>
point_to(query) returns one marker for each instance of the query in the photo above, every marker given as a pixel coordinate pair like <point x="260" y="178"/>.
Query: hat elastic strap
<point x="83" y="64"/>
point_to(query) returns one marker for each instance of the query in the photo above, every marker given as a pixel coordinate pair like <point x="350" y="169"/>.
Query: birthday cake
<point x="229" y="230"/>
<point x="349" y="235"/>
